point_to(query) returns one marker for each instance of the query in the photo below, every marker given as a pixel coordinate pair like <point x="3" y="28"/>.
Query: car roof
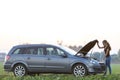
<point x="36" y="45"/>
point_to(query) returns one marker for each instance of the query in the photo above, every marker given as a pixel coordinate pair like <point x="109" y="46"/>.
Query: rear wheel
<point x="80" y="70"/>
<point x="20" y="70"/>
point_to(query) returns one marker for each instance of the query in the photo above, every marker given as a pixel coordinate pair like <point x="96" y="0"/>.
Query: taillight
<point x="7" y="57"/>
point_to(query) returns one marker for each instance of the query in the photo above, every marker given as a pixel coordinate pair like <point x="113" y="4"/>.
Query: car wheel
<point x="79" y="70"/>
<point x="19" y="70"/>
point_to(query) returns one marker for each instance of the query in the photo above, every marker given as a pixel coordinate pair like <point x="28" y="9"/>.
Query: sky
<point x="75" y="22"/>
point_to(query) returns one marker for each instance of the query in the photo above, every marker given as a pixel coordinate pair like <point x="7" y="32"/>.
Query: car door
<point x="56" y="62"/>
<point x="35" y="59"/>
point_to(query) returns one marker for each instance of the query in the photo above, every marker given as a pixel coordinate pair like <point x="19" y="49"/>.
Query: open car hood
<point x="84" y="50"/>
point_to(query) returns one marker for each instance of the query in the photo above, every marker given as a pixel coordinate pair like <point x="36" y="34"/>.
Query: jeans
<point x="107" y="63"/>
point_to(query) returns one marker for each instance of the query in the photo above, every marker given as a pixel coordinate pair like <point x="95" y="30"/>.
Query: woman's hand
<point x="96" y="41"/>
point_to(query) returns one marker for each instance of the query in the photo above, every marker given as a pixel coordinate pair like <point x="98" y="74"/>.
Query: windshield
<point x="70" y="51"/>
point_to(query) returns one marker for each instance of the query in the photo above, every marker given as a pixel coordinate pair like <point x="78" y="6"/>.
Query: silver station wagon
<point x="47" y="58"/>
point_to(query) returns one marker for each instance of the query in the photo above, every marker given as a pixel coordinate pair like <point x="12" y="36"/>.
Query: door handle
<point x="28" y="58"/>
<point x="48" y="59"/>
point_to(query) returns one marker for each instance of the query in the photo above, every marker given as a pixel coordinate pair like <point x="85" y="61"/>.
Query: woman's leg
<point x="105" y="67"/>
<point x="109" y="61"/>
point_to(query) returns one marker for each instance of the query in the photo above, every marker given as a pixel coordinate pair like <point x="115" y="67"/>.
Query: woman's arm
<point x="99" y="45"/>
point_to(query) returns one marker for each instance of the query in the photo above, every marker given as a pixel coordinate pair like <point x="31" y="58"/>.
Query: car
<point x="49" y="58"/>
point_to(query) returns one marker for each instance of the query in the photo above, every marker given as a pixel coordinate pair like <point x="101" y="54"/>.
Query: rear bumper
<point x="7" y="67"/>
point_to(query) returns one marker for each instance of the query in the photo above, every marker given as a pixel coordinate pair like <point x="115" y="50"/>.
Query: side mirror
<point x="64" y="55"/>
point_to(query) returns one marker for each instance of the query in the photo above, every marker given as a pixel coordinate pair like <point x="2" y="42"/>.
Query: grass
<point x="115" y="68"/>
<point x="9" y="76"/>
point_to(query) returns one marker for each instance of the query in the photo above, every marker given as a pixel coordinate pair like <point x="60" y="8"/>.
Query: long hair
<point x="108" y="45"/>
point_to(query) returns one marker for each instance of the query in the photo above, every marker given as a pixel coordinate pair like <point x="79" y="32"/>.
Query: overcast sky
<point x="74" y="22"/>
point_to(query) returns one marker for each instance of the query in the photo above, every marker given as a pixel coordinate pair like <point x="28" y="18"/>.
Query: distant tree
<point x="96" y="55"/>
<point x="102" y="56"/>
<point x="60" y="42"/>
<point x="99" y="56"/>
<point x="119" y="53"/>
<point x="75" y="48"/>
<point x="115" y="58"/>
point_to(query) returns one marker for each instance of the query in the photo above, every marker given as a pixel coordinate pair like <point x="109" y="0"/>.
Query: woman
<point x="107" y="48"/>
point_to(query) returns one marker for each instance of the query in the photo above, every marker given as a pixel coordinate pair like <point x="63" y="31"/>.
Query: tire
<point x="80" y="70"/>
<point x="20" y="70"/>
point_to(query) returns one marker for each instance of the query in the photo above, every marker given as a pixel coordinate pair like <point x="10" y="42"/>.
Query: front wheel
<point x="80" y="70"/>
<point x="19" y="70"/>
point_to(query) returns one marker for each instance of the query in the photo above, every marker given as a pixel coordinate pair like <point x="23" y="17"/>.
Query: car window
<point x="19" y="51"/>
<point x="60" y="52"/>
<point x="35" y="51"/>
<point x="31" y="51"/>
<point x="40" y="51"/>
<point x="51" y="51"/>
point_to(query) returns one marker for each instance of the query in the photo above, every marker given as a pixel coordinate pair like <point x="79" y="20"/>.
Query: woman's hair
<point x="105" y="41"/>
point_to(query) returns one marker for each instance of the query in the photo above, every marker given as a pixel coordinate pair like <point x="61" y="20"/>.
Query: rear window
<point x="35" y="51"/>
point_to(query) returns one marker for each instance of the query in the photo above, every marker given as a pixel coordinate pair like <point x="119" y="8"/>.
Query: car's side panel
<point x="36" y="63"/>
<point x="57" y="64"/>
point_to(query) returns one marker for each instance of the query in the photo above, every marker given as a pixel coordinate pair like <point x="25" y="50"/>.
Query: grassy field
<point x="9" y="76"/>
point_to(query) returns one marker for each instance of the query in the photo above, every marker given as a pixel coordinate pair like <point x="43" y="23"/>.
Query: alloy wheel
<point x="19" y="70"/>
<point x="79" y="70"/>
